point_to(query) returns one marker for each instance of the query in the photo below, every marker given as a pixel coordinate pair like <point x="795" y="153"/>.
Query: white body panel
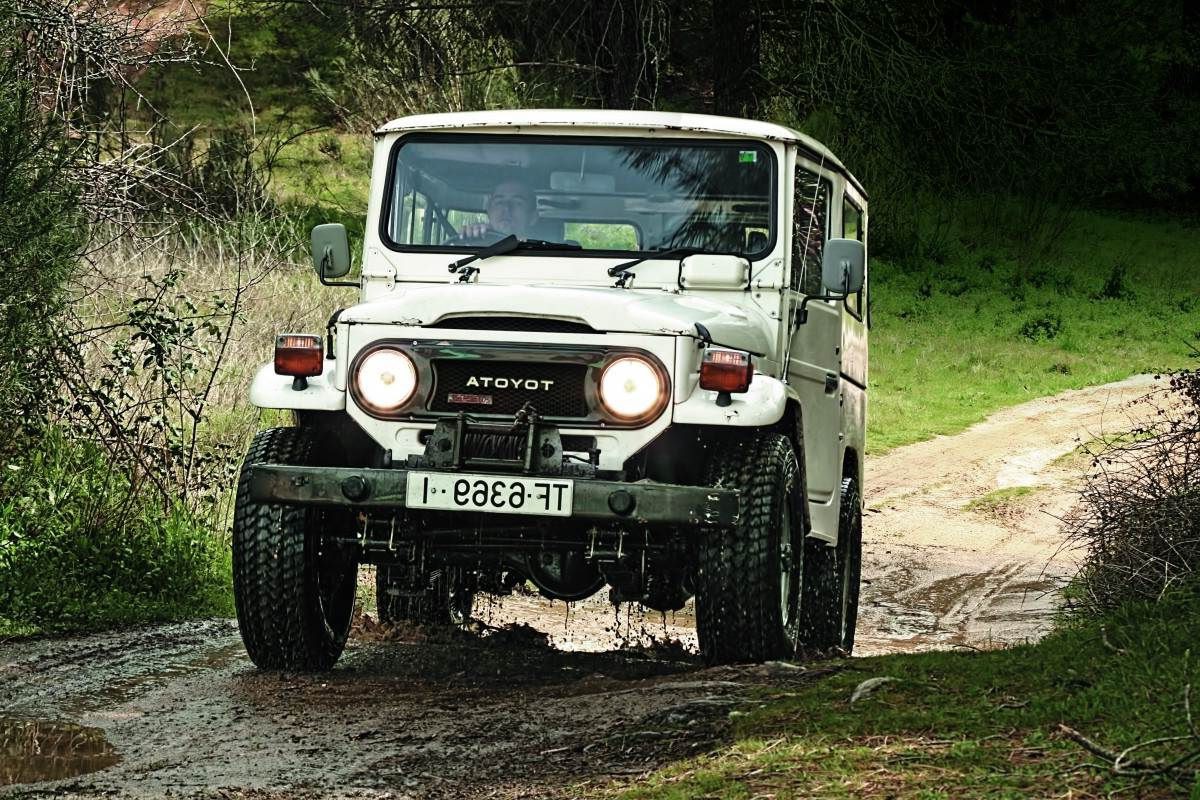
<point x="269" y="390"/>
<point x="630" y="311"/>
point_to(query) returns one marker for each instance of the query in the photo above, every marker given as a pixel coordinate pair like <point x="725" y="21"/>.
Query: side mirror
<point x="843" y="266"/>
<point x="711" y="271"/>
<point x="330" y="250"/>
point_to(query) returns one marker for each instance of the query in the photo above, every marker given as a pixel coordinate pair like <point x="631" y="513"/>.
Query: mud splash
<point x="34" y="750"/>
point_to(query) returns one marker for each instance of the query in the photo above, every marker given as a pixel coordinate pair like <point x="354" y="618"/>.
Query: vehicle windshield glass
<point x="616" y="196"/>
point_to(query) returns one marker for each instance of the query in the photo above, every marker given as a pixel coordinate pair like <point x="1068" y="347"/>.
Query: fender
<point x="763" y="404"/>
<point x="275" y="391"/>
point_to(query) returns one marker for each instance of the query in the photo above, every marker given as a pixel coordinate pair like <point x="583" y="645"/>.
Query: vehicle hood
<point x="607" y="310"/>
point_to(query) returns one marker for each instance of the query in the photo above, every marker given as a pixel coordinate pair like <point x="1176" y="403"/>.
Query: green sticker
<point x="748" y="156"/>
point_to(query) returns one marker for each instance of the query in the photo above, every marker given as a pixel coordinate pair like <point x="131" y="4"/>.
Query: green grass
<point x="79" y="552"/>
<point x="964" y="724"/>
<point x="957" y="340"/>
<point x="1000" y="500"/>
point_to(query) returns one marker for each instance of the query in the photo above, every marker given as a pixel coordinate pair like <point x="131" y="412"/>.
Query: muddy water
<point x="497" y="712"/>
<point x="33" y="750"/>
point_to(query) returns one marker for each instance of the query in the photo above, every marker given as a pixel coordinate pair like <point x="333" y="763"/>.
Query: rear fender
<point x="763" y="404"/>
<point x="275" y="391"/>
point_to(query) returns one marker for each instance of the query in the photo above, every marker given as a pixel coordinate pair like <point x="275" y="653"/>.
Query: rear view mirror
<point x="588" y="182"/>
<point x="711" y="271"/>
<point x="843" y="266"/>
<point x="330" y="250"/>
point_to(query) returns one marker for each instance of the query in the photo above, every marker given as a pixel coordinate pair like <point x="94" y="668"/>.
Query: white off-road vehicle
<point x="592" y="349"/>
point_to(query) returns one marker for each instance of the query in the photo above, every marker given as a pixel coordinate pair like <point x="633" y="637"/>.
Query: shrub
<point x="1042" y="328"/>
<point x="81" y="548"/>
<point x="40" y="238"/>
<point x="1138" y="519"/>
<point x="1116" y="285"/>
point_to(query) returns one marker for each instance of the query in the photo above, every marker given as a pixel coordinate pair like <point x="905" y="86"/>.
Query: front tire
<point x="293" y="590"/>
<point x="749" y="588"/>
<point x="832" y="579"/>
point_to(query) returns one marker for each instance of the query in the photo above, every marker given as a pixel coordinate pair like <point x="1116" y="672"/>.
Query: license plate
<point x="498" y="495"/>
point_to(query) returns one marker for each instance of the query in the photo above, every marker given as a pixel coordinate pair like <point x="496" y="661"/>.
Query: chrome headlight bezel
<point x="645" y="400"/>
<point x="371" y="367"/>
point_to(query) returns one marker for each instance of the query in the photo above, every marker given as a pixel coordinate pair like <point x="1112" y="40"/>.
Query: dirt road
<point x="541" y="703"/>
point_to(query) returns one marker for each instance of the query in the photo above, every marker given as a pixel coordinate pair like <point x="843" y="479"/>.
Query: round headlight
<point x="386" y="379"/>
<point x="632" y="389"/>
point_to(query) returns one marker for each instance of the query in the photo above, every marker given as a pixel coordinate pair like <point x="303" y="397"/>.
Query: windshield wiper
<point x="508" y="244"/>
<point x="505" y="245"/>
<point x="622" y="270"/>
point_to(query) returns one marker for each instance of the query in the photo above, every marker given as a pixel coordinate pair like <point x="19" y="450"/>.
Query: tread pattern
<point x="284" y="621"/>
<point x="832" y="579"/>
<point x="738" y="615"/>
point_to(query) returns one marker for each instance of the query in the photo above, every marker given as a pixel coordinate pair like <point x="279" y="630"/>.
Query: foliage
<point x="81" y="548"/>
<point x="1138" y="520"/>
<point x="968" y="724"/>
<point x="40" y="238"/>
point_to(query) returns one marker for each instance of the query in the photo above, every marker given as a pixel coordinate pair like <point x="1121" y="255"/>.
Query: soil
<point x="542" y="699"/>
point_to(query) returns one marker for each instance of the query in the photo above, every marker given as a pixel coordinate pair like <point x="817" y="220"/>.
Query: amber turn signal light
<point x="299" y="355"/>
<point x="726" y="371"/>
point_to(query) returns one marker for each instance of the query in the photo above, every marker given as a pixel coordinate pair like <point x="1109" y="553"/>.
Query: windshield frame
<point x="509" y="138"/>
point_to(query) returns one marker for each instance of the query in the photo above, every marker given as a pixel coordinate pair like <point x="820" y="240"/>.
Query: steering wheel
<point x="489" y="236"/>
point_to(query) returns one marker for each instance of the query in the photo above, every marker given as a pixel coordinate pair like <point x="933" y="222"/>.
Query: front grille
<point x="514" y="324"/>
<point x="562" y="397"/>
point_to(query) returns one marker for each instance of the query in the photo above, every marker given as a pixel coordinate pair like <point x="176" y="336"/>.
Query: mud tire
<point x="741" y="581"/>
<point x="832" y="579"/>
<point x="445" y="602"/>
<point x="294" y="597"/>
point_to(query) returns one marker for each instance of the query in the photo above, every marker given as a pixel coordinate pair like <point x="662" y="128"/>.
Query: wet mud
<point x="496" y="712"/>
<point x="539" y="699"/>
<point x="33" y="750"/>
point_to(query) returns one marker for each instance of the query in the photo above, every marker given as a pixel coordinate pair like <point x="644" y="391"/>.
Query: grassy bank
<point x="82" y="549"/>
<point x="968" y="724"/>
<point x="973" y="330"/>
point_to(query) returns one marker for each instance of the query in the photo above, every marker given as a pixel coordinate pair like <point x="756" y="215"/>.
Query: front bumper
<point x="643" y="502"/>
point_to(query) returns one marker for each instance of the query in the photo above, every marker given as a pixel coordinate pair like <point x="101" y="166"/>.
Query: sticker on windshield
<point x="748" y="156"/>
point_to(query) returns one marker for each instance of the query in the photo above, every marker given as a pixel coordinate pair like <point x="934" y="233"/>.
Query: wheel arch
<point x="852" y="467"/>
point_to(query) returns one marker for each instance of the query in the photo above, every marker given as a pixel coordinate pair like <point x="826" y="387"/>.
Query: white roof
<point x="585" y="118"/>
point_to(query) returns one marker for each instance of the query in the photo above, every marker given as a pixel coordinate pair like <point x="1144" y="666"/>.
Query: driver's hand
<point x="474" y="230"/>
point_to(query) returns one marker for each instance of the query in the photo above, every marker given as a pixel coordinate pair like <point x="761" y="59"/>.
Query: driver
<point x="511" y="209"/>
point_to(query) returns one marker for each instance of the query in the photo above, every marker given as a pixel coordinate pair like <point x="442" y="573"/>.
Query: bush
<point x="81" y="548"/>
<point x="1043" y="328"/>
<point x="40" y="238"/>
<point x="1138" y="520"/>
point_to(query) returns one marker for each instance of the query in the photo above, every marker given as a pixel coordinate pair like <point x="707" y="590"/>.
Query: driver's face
<point x="511" y="208"/>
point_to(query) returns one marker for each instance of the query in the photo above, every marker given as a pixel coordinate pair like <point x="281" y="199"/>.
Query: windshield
<point x="615" y="196"/>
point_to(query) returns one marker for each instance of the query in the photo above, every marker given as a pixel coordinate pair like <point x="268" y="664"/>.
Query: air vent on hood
<point x="515" y="324"/>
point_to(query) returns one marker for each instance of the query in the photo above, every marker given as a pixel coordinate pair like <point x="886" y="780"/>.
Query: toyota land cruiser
<point x="591" y="349"/>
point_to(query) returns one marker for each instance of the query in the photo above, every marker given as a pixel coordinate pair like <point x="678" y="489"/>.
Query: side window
<point x="809" y="224"/>
<point x="852" y="228"/>
<point x="415" y="217"/>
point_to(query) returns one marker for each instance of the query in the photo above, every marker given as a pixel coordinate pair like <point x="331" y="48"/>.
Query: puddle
<point x="34" y="750"/>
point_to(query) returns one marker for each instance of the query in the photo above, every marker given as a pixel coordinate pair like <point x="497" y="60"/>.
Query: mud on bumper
<point x="643" y="502"/>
